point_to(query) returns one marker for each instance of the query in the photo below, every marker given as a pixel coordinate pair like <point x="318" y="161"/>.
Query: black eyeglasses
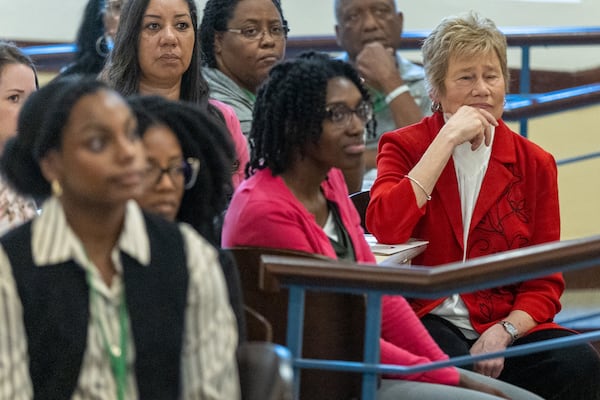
<point x="186" y="171"/>
<point x="253" y="33"/>
<point x="340" y="114"/>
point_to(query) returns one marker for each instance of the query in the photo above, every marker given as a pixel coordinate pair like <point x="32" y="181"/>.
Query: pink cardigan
<point x="265" y="213"/>
<point x="239" y="140"/>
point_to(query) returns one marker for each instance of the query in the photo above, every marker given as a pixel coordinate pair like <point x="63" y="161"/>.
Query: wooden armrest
<point x="258" y="327"/>
<point x="426" y="282"/>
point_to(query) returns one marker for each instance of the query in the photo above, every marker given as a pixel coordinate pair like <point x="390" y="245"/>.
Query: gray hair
<point x="467" y="35"/>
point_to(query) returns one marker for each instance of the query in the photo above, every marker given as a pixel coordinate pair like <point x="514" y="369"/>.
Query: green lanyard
<point x="116" y="354"/>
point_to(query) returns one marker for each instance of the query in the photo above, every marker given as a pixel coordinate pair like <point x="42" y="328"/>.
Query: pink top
<point x="265" y="213"/>
<point x="239" y="141"/>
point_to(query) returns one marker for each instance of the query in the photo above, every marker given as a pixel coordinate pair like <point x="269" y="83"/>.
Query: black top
<point x="343" y="246"/>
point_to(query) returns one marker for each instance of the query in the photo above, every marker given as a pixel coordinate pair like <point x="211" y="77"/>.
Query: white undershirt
<point x="330" y="229"/>
<point x="470" y="167"/>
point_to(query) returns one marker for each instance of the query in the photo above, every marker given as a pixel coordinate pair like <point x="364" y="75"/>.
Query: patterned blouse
<point x="14" y="209"/>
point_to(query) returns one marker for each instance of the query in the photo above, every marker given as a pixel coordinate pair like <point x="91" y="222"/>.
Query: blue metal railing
<point x="488" y="271"/>
<point x="50" y="49"/>
<point x="519" y="104"/>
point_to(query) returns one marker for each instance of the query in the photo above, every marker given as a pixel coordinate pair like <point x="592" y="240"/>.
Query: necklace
<point x="117" y="354"/>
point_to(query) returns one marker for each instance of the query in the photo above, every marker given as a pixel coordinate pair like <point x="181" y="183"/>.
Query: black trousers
<point x="568" y="373"/>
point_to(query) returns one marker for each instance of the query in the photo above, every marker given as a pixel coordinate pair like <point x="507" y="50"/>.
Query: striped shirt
<point x="208" y="366"/>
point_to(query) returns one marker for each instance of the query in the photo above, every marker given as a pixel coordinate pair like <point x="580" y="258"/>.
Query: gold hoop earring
<point x="56" y="188"/>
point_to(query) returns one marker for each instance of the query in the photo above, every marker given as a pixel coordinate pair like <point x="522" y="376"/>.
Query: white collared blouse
<point x="208" y="367"/>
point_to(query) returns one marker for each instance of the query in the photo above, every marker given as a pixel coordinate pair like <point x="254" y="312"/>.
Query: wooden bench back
<point x="333" y="325"/>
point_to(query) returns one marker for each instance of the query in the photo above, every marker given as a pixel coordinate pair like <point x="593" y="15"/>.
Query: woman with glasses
<point x="310" y="117"/>
<point x="241" y="41"/>
<point x="186" y="151"/>
<point x="187" y="179"/>
<point x="157" y="52"/>
<point x="309" y="121"/>
<point x="100" y="300"/>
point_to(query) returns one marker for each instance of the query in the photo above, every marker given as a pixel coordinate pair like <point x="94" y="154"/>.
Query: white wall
<point x="57" y="20"/>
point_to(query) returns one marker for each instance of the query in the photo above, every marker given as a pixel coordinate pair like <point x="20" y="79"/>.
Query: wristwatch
<point x="511" y="329"/>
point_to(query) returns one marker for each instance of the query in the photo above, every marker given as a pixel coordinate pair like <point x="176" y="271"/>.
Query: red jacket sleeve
<point x="392" y="196"/>
<point x="540" y="298"/>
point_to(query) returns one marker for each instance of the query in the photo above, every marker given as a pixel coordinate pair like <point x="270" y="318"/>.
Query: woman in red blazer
<point x="465" y="182"/>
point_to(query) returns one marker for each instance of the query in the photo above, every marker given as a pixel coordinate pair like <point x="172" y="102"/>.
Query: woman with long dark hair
<point x="157" y="53"/>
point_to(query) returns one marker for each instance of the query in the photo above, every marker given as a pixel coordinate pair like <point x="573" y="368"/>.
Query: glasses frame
<point x="194" y="165"/>
<point x="190" y="167"/>
<point x="329" y="110"/>
<point x="263" y="32"/>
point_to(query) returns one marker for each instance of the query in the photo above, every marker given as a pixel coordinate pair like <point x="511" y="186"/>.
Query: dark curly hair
<point x="123" y="69"/>
<point x="201" y="136"/>
<point x="92" y="49"/>
<point x="41" y="123"/>
<point x="214" y="19"/>
<point x="290" y="109"/>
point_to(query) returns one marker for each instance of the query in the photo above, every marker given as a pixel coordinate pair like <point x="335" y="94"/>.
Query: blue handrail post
<point x="371" y="352"/>
<point x="525" y="83"/>
<point x="523" y="127"/>
<point x="295" y="330"/>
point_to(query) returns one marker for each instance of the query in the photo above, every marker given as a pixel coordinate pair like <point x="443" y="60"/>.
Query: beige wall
<point x="570" y="134"/>
<point x="52" y="20"/>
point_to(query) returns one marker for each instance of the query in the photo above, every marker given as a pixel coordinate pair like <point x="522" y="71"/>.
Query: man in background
<point x="370" y="31"/>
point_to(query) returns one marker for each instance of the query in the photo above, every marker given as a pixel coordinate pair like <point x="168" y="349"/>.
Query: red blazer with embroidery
<point x="517" y="207"/>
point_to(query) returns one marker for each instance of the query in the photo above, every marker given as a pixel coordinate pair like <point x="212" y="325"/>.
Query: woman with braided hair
<point x="309" y="120"/>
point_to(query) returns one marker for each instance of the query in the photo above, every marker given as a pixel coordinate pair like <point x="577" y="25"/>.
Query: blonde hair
<point x="467" y="35"/>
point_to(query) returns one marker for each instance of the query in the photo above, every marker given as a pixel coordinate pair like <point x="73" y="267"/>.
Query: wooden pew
<point x="333" y="325"/>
